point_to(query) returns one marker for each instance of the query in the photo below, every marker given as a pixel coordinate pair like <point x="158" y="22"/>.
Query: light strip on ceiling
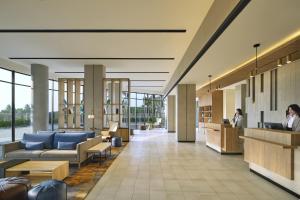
<point x="276" y="45"/>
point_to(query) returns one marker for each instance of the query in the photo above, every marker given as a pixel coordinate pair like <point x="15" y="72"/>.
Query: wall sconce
<point x="251" y="74"/>
<point x="279" y="62"/>
<point x="289" y="59"/>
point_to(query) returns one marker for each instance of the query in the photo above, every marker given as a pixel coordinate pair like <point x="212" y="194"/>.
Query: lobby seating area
<point x="55" y="146"/>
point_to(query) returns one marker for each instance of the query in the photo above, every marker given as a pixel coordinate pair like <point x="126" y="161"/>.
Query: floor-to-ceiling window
<point x="16" y="105"/>
<point x="144" y="108"/>
<point x="5" y="105"/>
<point x="53" y="105"/>
<point x="22" y="105"/>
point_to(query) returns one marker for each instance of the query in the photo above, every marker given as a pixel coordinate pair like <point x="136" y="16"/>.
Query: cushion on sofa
<point x="43" y="132"/>
<point x="34" y="145"/>
<point x="69" y="137"/>
<point x="47" y="138"/>
<point x="60" y="154"/>
<point x="22" y="153"/>
<point x="89" y="134"/>
<point x="66" y="145"/>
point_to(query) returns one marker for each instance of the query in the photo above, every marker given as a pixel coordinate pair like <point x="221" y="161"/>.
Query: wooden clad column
<point x="70" y="100"/>
<point x="186" y="113"/>
<point x="61" y="110"/>
<point x="93" y="96"/>
<point x="171" y="114"/>
<point x="77" y="103"/>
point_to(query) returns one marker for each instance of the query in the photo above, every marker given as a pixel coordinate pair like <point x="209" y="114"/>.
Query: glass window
<point x="140" y="96"/>
<point x="5" y="111"/>
<point x="23" y="111"/>
<point x="133" y="95"/>
<point x="5" y="75"/>
<point x="22" y="79"/>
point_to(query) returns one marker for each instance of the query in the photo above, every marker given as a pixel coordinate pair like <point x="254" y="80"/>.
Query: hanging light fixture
<point x="209" y="78"/>
<point x="279" y="62"/>
<point x="289" y="59"/>
<point x="256" y="63"/>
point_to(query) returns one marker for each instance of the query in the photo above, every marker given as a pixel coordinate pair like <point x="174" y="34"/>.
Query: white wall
<point x="288" y="93"/>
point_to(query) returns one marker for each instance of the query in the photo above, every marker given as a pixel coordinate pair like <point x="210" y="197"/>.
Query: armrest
<point x="82" y="148"/>
<point x="10" y="147"/>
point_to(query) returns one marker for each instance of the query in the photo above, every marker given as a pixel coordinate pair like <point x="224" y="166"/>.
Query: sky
<point x="23" y="94"/>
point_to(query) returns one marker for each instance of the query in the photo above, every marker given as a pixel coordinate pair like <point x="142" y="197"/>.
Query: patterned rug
<point x="81" y="181"/>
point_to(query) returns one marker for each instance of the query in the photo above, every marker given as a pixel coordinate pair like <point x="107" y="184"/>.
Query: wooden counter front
<point x="222" y="138"/>
<point x="271" y="149"/>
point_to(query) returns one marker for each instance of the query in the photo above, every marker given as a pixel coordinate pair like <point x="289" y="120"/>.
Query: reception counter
<point x="222" y="137"/>
<point x="274" y="155"/>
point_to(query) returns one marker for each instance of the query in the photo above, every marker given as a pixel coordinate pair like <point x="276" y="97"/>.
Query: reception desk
<point x="222" y="137"/>
<point x="274" y="155"/>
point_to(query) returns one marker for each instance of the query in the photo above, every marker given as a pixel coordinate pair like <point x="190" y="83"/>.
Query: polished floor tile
<point x="155" y="166"/>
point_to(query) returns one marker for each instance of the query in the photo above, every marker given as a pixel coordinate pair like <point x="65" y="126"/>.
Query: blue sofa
<point x="47" y="145"/>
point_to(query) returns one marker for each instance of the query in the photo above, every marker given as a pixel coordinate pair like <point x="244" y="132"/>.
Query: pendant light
<point x="209" y="78"/>
<point x="256" y="65"/>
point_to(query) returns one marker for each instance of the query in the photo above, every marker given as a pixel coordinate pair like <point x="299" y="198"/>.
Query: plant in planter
<point x="152" y="121"/>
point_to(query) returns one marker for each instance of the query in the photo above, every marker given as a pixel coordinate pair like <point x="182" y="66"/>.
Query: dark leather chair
<point x="14" y="188"/>
<point x="49" y="190"/>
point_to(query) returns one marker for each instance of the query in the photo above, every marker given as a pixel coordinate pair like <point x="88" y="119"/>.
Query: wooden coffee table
<point x="50" y="169"/>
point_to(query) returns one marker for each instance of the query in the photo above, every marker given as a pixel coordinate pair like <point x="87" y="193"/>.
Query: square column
<point x="93" y="96"/>
<point x="40" y="100"/>
<point x="186" y="113"/>
<point x="171" y="113"/>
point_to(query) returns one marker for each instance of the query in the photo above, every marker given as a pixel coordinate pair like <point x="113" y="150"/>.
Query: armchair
<point x="107" y="135"/>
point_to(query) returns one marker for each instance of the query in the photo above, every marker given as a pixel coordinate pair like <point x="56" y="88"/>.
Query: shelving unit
<point x="116" y="105"/>
<point x="205" y="113"/>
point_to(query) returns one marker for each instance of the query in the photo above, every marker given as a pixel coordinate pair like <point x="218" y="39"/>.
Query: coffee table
<point x="99" y="148"/>
<point x="50" y="169"/>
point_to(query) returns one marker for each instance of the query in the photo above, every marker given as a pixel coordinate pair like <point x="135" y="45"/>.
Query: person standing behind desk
<point x="292" y="122"/>
<point x="238" y="119"/>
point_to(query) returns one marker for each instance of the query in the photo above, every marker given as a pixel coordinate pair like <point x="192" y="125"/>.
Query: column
<point x="40" y="102"/>
<point x="186" y="113"/>
<point x="171" y="114"/>
<point x="93" y="96"/>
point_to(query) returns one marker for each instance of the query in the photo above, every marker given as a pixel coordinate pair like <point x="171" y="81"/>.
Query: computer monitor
<point x="271" y="125"/>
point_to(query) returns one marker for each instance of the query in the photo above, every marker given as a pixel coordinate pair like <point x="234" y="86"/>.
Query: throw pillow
<point x="66" y="145"/>
<point x="34" y="145"/>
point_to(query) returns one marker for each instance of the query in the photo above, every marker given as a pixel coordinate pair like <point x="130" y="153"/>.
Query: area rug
<point x="81" y="181"/>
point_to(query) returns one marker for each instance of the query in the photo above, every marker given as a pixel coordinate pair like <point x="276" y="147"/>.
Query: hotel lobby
<point x="113" y="100"/>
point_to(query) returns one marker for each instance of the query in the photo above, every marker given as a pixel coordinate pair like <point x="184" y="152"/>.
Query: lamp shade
<point x="91" y="116"/>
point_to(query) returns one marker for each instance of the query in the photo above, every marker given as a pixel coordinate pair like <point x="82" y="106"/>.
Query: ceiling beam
<point x="219" y="17"/>
<point x="92" y="30"/>
<point x="91" y="58"/>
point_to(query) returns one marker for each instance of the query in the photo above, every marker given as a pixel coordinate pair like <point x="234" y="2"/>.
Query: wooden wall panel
<point x="217" y="106"/>
<point x="70" y="102"/>
<point x="191" y="112"/>
<point x="265" y="63"/>
<point x="61" y="112"/>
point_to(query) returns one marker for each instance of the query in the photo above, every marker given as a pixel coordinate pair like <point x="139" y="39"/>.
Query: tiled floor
<point x="155" y="166"/>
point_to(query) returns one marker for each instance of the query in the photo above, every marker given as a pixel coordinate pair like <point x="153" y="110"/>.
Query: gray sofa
<point x="15" y="150"/>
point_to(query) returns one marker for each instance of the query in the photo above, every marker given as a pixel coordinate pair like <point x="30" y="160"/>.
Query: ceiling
<point x="168" y="47"/>
<point x="265" y="22"/>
